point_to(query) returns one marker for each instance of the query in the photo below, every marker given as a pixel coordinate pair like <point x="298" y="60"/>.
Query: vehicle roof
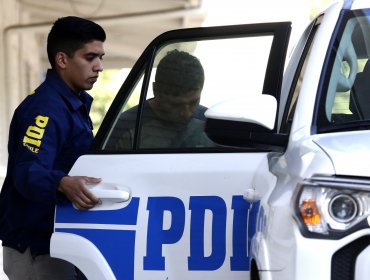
<point x="358" y="4"/>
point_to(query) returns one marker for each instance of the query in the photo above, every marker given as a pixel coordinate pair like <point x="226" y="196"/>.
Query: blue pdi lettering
<point x="244" y="220"/>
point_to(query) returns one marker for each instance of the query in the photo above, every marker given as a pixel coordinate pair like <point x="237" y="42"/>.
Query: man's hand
<point x="74" y="187"/>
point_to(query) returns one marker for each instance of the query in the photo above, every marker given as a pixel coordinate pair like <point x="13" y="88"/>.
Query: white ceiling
<point x="130" y="24"/>
<point x="100" y="8"/>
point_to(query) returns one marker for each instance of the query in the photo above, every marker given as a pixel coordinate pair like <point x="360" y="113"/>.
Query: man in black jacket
<point x="50" y="129"/>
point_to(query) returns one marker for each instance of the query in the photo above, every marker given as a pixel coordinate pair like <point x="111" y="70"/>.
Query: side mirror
<point x="259" y="109"/>
<point x="244" y="122"/>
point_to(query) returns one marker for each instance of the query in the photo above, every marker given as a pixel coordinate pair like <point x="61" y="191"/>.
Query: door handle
<point x="112" y="195"/>
<point x="251" y="195"/>
<point x="115" y="196"/>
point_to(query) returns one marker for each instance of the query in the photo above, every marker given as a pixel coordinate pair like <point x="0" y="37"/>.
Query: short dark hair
<point x="181" y="70"/>
<point x="69" y="34"/>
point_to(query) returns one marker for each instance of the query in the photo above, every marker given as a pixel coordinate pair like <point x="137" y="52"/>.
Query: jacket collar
<point x="53" y="79"/>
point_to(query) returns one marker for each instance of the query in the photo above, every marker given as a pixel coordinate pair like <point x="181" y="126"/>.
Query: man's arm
<point x="36" y="150"/>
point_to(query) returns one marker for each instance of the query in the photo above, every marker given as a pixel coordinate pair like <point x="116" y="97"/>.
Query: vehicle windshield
<point x="346" y="105"/>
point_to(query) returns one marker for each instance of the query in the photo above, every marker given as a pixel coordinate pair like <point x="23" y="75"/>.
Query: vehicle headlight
<point x="343" y="208"/>
<point x="332" y="206"/>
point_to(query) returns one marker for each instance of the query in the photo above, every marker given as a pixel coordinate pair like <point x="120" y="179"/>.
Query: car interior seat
<point x="360" y="94"/>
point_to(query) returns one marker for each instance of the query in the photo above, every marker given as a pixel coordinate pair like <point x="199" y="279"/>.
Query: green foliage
<point x="104" y="91"/>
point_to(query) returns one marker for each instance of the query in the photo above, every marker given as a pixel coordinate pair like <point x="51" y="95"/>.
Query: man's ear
<point x="61" y="60"/>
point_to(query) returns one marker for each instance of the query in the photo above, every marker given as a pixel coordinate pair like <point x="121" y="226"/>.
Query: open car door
<point x="176" y="209"/>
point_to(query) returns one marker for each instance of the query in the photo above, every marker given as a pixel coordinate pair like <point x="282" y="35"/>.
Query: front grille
<point x="344" y="260"/>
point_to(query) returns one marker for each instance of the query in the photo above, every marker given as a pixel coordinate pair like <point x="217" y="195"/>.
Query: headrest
<point x="367" y="67"/>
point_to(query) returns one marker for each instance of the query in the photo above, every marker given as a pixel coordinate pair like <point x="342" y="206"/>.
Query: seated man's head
<point x="178" y="84"/>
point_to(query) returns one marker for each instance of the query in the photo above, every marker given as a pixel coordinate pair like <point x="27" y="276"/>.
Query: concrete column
<point x="9" y="15"/>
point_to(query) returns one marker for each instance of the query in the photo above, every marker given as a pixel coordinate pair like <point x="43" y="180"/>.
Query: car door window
<point x="344" y="103"/>
<point x="187" y="78"/>
<point x="119" y="137"/>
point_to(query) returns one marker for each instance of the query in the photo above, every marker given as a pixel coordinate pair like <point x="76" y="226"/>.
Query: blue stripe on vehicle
<point x="66" y="213"/>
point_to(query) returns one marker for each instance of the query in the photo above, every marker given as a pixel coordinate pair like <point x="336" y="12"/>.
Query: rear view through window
<point x="185" y="80"/>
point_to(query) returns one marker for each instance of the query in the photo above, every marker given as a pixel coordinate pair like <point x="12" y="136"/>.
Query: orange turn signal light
<point x="310" y="212"/>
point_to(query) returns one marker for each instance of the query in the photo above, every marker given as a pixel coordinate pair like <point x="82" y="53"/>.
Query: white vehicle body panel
<point x="200" y="175"/>
<point x="349" y="152"/>
<point x="82" y="252"/>
<point x="360" y="4"/>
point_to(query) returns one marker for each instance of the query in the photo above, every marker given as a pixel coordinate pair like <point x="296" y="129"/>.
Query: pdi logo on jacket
<point x="34" y="134"/>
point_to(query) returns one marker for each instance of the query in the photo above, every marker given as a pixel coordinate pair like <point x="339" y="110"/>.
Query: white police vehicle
<point x="284" y="193"/>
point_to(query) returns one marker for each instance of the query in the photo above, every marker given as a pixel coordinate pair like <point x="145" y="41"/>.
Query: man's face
<point x="82" y="70"/>
<point x="177" y="109"/>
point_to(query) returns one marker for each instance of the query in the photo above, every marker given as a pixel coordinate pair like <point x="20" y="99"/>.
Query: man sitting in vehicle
<point x="173" y="118"/>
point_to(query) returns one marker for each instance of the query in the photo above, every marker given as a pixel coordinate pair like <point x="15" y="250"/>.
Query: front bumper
<point x="344" y="259"/>
<point x="352" y="261"/>
<point x="323" y="259"/>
